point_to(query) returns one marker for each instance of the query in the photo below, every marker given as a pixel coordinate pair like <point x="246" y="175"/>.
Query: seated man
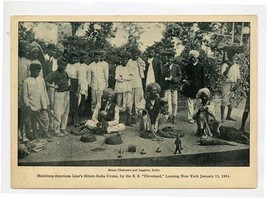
<point x="207" y="124"/>
<point x="105" y="118"/>
<point x="155" y="112"/>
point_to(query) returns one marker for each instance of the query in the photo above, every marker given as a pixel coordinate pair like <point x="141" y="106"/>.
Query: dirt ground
<point x="71" y="149"/>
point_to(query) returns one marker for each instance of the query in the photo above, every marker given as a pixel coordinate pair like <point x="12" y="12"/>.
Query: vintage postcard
<point x="134" y="101"/>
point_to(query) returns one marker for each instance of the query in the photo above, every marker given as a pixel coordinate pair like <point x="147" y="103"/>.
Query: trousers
<point x="137" y="97"/>
<point x="172" y="97"/>
<point x="191" y="102"/>
<point x="124" y="101"/>
<point x="96" y="98"/>
<point x="61" y="110"/>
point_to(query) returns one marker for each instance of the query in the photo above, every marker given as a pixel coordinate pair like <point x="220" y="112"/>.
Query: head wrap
<point x="194" y="53"/>
<point x="23" y="43"/>
<point x="109" y="91"/>
<point x="153" y="85"/>
<point x="35" y="46"/>
<point x="206" y="91"/>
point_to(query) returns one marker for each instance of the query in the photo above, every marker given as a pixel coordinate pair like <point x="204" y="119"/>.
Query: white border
<point x="151" y="7"/>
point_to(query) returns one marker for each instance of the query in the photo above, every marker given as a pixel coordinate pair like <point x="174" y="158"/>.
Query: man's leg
<point x="43" y="121"/>
<point x="190" y="110"/>
<point x="245" y="115"/>
<point x="139" y="95"/>
<point x="169" y="100"/>
<point x="91" y="125"/>
<point x="59" y="109"/>
<point x="120" y="101"/>
<point x="117" y="128"/>
<point x="174" y="97"/>
<point x="65" y="114"/>
<point x="94" y="100"/>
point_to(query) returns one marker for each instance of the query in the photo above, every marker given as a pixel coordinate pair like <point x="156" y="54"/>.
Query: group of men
<point x="55" y="88"/>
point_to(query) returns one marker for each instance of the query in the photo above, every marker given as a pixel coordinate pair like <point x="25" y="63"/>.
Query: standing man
<point x="23" y="68"/>
<point x="172" y="75"/>
<point x="194" y="80"/>
<point x="72" y="71"/>
<point x="82" y="84"/>
<point x="36" y="100"/>
<point x="153" y="69"/>
<point x="231" y="72"/>
<point x="137" y="67"/>
<point x="59" y="81"/>
<point x="97" y="79"/>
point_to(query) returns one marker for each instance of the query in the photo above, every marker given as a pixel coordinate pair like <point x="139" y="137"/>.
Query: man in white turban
<point x="194" y="80"/>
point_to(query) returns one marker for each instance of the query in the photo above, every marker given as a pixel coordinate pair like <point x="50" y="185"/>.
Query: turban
<point x="206" y="91"/>
<point x="194" y="53"/>
<point x="109" y="91"/>
<point x="23" y="43"/>
<point x="35" y="46"/>
<point x="153" y="85"/>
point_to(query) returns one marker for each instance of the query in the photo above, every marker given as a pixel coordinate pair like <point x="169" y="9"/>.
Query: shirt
<point x="233" y="73"/>
<point x="123" y="79"/>
<point x="60" y="78"/>
<point x="34" y="93"/>
<point x="97" y="76"/>
<point x="135" y="70"/>
<point x="150" y="73"/>
<point x="72" y="70"/>
<point x="82" y="77"/>
<point x="106" y="70"/>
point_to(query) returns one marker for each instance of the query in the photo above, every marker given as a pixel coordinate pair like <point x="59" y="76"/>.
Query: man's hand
<point x="166" y="78"/>
<point x="55" y="87"/>
<point x="186" y="82"/>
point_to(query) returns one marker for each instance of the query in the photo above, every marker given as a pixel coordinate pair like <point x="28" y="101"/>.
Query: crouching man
<point x="105" y="118"/>
<point x="207" y="123"/>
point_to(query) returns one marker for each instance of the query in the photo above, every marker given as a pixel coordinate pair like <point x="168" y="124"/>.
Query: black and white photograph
<point x="160" y="94"/>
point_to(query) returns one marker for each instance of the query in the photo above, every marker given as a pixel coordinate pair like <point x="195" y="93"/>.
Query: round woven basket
<point x="88" y="138"/>
<point x="113" y="139"/>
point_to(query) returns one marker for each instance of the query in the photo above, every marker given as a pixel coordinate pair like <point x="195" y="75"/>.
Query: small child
<point x="36" y="100"/>
<point x="178" y="144"/>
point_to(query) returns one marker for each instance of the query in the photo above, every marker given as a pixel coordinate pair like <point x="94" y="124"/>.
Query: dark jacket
<point x="195" y="75"/>
<point x="176" y="74"/>
<point x="110" y="111"/>
<point x="153" y="110"/>
<point x="157" y="70"/>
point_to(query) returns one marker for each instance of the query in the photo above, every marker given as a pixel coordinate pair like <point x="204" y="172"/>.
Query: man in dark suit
<point x="153" y="69"/>
<point x="171" y="79"/>
<point x="194" y="80"/>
